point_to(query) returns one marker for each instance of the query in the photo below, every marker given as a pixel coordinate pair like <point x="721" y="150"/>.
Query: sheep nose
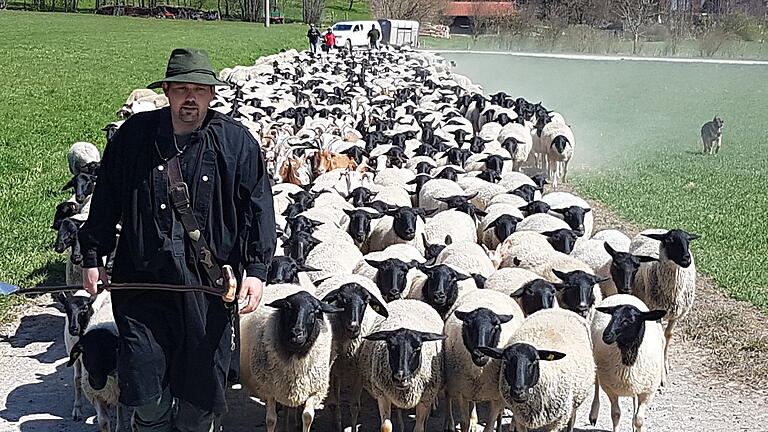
<point x="399" y="376"/>
<point x="354" y="326"/>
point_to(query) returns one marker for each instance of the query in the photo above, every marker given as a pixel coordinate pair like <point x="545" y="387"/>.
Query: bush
<point x="743" y="25"/>
<point x="657" y="33"/>
<point x="712" y="41"/>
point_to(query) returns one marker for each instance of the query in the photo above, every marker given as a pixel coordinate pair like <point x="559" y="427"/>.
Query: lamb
<point x="553" y="348"/>
<point x="467" y="256"/>
<point x="458" y="225"/>
<point x="627" y="344"/>
<point x="287" y="351"/>
<point x="480" y="318"/>
<point x="407" y="370"/>
<point x="669" y="283"/>
<point x="80" y="155"/>
<point x="94" y="352"/>
<point x="517" y="140"/>
<point x="354" y="294"/>
<point x="80" y="310"/>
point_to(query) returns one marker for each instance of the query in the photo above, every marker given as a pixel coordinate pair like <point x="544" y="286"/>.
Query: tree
<point x="419" y="10"/>
<point x="635" y="14"/>
<point x="313" y="11"/>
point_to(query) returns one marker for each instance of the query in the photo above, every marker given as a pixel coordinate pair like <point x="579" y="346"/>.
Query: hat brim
<point x="190" y="78"/>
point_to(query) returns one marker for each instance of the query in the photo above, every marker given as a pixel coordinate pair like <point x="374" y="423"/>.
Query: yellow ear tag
<point x="376" y="308"/>
<point x="551" y="357"/>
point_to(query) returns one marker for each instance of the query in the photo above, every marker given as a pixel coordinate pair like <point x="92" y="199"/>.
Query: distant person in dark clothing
<point x="330" y="40"/>
<point x="314" y="36"/>
<point x="373" y="38"/>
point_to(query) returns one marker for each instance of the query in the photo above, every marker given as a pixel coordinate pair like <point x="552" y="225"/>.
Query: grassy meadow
<point x="64" y="76"/>
<point x="639" y="149"/>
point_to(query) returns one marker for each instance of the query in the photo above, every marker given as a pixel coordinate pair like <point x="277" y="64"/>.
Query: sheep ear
<point x="472" y="196"/>
<point x="550" y="355"/>
<point x="61" y="298"/>
<point x="70" y="184"/>
<point x="518" y="293"/>
<point x="559" y="286"/>
<point x="559" y="211"/>
<point x="505" y="318"/>
<point x="430" y="212"/>
<point x="611" y="251"/>
<point x="378" y="306"/>
<point x="654" y="315"/>
<point x="349" y="212"/>
<point x="587" y="210"/>
<point x="693" y="236"/>
<point x="645" y="259"/>
<point x="516" y="261"/>
<point x="462" y="276"/>
<point x="461" y="316"/>
<point x="496" y="353"/>
<point x="306" y="268"/>
<point x="412" y="264"/>
<point x="606" y="309"/>
<point x="373" y="263"/>
<point x="548" y="233"/>
<point x="328" y="308"/>
<point x="380" y="335"/>
<point x="448" y="240"/>
<point x="659" y="237"/>
<point x="76" y="352"/>
<point x="560" y="275"/>
<point x="431" y="337"/>
<point x="332" y="296"/>
<point x="280" y="304"/>
<point x="599" y="279"/>
<point x="320" y="281"/>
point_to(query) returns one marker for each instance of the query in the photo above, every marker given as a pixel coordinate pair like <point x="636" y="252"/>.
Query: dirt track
<point x="36" y="394"/>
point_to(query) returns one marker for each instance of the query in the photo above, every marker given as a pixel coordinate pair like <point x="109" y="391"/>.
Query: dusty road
<point x="36" y="393"/>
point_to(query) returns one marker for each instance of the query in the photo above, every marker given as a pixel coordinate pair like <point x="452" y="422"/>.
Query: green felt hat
<point x="189" y="66"/>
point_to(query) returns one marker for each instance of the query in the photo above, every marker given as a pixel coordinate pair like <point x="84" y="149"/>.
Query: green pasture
<point x="63" y="78"/>
<point x="639" y="150"/>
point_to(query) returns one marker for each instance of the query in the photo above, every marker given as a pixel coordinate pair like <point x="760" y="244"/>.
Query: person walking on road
<point x="374" y="35"/>
<point x="330" y="40"/>
<point x="313" y="34"/>
<point x="190" y="189"/>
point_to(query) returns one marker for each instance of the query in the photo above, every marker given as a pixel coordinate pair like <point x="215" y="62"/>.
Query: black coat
<point x="181" y="339"/>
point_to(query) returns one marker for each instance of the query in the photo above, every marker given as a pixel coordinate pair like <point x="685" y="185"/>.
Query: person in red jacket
<point x="330" y="40"/>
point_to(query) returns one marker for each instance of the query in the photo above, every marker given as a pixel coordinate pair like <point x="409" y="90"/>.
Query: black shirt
<point x="231" y="195"/>
<point x="182" y="340"/>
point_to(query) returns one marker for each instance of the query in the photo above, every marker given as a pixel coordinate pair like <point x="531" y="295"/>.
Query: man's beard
<point x="189" y="116"/>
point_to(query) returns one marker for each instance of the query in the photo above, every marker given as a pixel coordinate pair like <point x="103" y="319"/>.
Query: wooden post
<point x="266" y="13"/>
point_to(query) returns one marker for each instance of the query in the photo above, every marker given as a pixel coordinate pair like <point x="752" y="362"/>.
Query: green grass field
<point x="638" y="148"/>
<point x="64" y="76"/>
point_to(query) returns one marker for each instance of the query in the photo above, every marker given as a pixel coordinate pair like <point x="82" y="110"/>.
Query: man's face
<point x="189" y="102"/>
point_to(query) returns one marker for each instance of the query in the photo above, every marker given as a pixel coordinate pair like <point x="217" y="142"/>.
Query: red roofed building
<point x="463" y="11"/>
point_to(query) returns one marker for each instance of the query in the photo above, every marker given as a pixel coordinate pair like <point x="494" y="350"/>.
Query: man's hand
<point x="91" y="276"/>
<point x="252" y="289"/>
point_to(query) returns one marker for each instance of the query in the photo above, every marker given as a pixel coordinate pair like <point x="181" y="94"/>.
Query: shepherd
<point x="190" y="189"/>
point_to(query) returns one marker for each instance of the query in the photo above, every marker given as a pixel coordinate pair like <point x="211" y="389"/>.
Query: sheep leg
<point x="565" y="169"/>
<point x="271" y="414"/>
<point x="494" y="413"/>
<point x="354" y="404"/>
<point x="309" y="414"/>
<point x="670" y="330"/>
<point x="615" y="411"/>
<point x="643" y="400"/>
<point x="385" y="411"/>
<point x="422" y="414"/>
<point x="571" y="421"/>
<point x="595" y="410"/>
<point x="448" y="422"/>
<point x="519" y="426"/>
<point x="77" y="409"/>
<point x="335" y="403"/>
<point x="102" y="416"/>
<point x="400" y="422"/>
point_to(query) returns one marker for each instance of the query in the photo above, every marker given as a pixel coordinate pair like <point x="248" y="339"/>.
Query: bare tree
<point x="420" y="10"/>
<point x="635" y="14"/>
<point x="313" y="11"/>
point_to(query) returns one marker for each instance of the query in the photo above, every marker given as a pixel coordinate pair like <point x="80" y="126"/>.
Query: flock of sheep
<point x="417" y="261"/>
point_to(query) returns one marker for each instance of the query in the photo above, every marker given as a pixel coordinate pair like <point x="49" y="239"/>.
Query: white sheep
<point x="557" y="343"/>
<point x="419" y="326"/>
<point x="333" y="257"/>
<point x="467" y="256"/>
<point x="81" y="154"/>
<point x="628" y="348"/>
<point x="527" y="248"/>
<point x="560" y="201"/>
<point x="558" y="144"/>
<point x="507" y="215"/>
<point x="479" y="318"/>
<point x="670" y="282"/>
<point x="384" y="234"/>
<point x="541" y="222"/>
<point x="485" y="191"/>
<point x="292" y="372"/>
<point x="438" y="188"/>
<point x="459" y="225"/>
<point x="509" y="279"/>
<point x="524" y="143"/>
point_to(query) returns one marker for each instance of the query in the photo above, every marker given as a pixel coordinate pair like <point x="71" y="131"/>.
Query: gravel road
<point x="36" y="393"/>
